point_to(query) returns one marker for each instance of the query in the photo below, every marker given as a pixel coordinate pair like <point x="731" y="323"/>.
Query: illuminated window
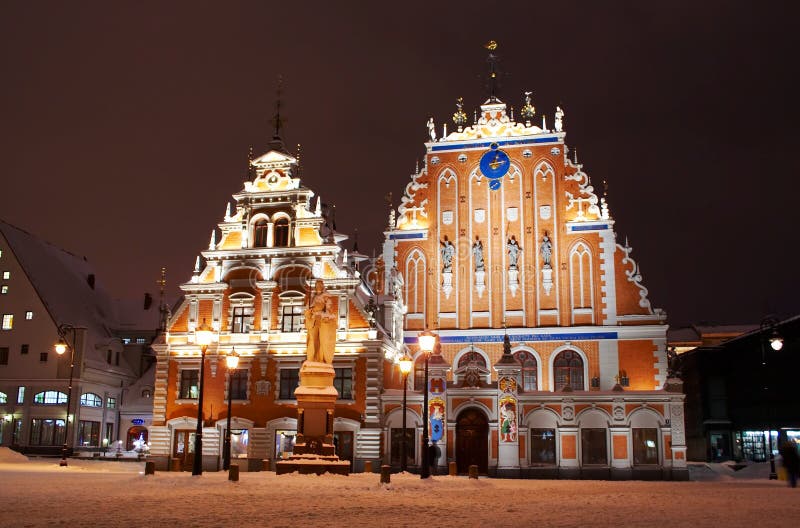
<point x="241" y="319"/>
<point x="291" y="318"/>
<point x="6" y="275"/>
<point x="21" y="395"/>
<point x="190" y="385"/>
<point x="89" y="399"/>
<point x="3" y="397"/>
<point x="3" y="289"/>
<point x="28" y="315"/>
<point x="645" y="446"/>
<point x="8" y="321"/>
<point x="289" y="381"/>
<point x="111" y="403"/>
<point x="260" y="231"/>
<point x="47" y="431"/>
<point x="89" y="433"/>
<point x="49" y="398"/>
<point x="543" y="446"/>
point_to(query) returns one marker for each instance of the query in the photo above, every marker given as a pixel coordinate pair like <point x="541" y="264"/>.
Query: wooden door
<point x="183" y="448"/>
<point x="344" y="445"/>
<point x="472" y="441"/>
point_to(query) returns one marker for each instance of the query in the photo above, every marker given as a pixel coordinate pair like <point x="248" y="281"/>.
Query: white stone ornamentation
<point x="547" y="280"/>
<point x="513" y="281"/>
<point x="447" y="283"/>
<point x="480" y="284"/>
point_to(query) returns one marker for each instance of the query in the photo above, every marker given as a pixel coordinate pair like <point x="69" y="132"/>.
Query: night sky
<point x="125" y="126"/>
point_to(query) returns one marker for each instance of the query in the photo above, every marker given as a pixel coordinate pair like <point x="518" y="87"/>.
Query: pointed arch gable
<point x="415" y="270"/>
<point x="581" y="281"/>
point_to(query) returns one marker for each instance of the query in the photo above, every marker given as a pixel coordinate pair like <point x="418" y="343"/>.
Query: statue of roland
<point x="320" y="325"/>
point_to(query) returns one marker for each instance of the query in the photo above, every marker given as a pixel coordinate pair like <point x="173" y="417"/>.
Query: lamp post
<point x="61" y="347"/>
<point x="232" y="361"/>
<point x="406" y="364"/>
<point x="769" y="327"/>
<point x="427" y="340"/>
<point x="202" y="337"/>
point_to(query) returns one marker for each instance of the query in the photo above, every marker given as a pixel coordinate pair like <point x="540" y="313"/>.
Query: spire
<point x="212" y="244"/>
<point x="355" y="241"/>
<point x="277" y="121"/>
<point x="250" y="163"/>
<point x="197" y="264"/>
<point x="318" y="209"/>
<point x="492" y="60"/>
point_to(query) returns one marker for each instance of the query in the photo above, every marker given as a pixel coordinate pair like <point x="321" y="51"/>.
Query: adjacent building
<point x="44" y="288"/>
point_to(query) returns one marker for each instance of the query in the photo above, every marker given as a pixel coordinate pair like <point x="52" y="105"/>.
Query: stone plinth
<point x="316" y="400"/>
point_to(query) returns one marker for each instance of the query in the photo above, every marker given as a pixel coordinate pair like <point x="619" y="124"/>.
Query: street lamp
<point x="232" y="361"/>
<point x="61" y="347"/>
<point x="406" y="364"/>
<point x="769" y="326"/>
<point x="426" y="340"/>
<point x="202" y="336"/>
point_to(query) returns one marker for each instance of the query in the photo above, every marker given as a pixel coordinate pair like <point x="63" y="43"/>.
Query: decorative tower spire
<point x="212" y="244"/>
<point x="492" y="60"/>
<point x="318" y="209"/>
<point x="250" y="163"/>
<point x="162" y="303"/>
<point x="277" y="121"/>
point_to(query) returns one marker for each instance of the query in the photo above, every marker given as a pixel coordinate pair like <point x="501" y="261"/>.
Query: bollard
<point x="473" y="471"/>
<point x="233" y="473"/>
<point x="175" y="464"/>
<point x="265" y="465"/>
<point x="149" y="468"/>
<point x="452" y="469"/>
<point x="386" y="474"/>
<point x="368" y="466"/>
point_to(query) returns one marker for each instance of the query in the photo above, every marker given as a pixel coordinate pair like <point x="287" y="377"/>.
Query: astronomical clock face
<point x="494" y="165"/>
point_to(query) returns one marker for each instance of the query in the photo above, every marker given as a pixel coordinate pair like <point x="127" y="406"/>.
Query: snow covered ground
<point x="37" y="492"/>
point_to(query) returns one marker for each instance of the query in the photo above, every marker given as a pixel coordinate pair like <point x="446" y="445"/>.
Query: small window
<point x="24" y="349"/>
<point x="238" y="385"/>
<point x="4" y="289"/>
<point x="3" y="355"/>
<point x="289" y="381"/>
<point x="111" y="403"/>
<point x="146" y="393"/>
<point x="28" y="315"/>
<point x="260" y="231"/>
<point x="140" y="340"/>
<point x="8" y="321"/>
<point x="116" y="358"/>
<point x="50" y="398"/>
<point x="89" y="399"/>
<point x="43" y="357"/>
<point x="126" y="340"/>
<point x="281" y="233"/>
<point x="343" y="383"/>
<point x="3" y="397"/>
<point x="21" y="395"/>
<point x="6" y="275"/>
<point x="190" y="387"/>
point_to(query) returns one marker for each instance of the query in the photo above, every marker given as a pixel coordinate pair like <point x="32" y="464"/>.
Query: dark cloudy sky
<point x="124" y="126"/>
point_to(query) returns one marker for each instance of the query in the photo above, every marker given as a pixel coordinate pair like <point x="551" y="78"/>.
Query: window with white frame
<point x="291" y="311"/>
<point x="8" y="321"/>
<point x="50" y="398"/>
<point x="6" y="275"/>
<point x="28" y="315"/>
<point x="90" y="399"/>
<point x="241" y="314"/>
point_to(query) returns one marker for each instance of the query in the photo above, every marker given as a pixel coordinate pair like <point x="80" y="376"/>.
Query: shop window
<point x="240" y="440"/>
<point x="543" y="446"/>
<point x="343" y="383"/>
<point x="529" y="370"/>
<point x="238" y="384"/>
<point x="397" y="442"/>
<point x="49" y="398"/>
<point x="284" y="443"/>
<point x="47" y="432"/>
<point x="568" y="370"/>
<point x="88" y="433"/>
<point x="89" y="399"/>
<point x="289" y="379"/>
<point x="136" y="438"/>
<point x="594" y="447"/>
<point x="260" y="231"/>
<point x="645" y="446"/>
<point x="190" y="384"/>
<point x="282" y="232"/>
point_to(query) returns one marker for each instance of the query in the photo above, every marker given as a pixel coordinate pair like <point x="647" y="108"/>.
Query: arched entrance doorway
<point x="135" y="437"/>
<point x="472" y="441"/>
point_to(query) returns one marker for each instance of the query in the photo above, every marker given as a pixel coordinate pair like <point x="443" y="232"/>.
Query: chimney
<point x="90" y="280"/>
<point x="148" y="301"/>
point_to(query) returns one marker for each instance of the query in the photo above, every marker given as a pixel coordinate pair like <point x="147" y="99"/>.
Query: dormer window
<point x="281" y="232"/>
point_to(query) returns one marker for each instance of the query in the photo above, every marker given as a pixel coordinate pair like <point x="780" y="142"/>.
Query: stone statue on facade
<point x="546" y="249"/>
<point x="559" y="119"/>
<point x="431" y="129"/>
<point x="320" y="325"/>
<point x="513" y="252"/>
<point x="477" y="254"/>
<point x="447" y="252"/>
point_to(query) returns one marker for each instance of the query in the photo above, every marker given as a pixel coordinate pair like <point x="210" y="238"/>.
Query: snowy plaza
<point x="37" y="492"/>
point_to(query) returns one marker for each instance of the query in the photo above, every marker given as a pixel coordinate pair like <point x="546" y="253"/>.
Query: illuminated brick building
<point x="250" y="286"/>
<point x="501" y="236"/>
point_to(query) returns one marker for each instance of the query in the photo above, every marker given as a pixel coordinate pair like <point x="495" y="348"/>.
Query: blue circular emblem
<point x="494" y="163"/>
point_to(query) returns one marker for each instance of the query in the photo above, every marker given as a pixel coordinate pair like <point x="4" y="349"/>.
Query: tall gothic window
<point x="529" y="370"/>
<point x="260" y="231"/>
<point x="568" y="370"/>
<point x="282" y="232"/>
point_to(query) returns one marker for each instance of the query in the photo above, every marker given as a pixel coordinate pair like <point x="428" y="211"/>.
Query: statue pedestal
<point x="316" y="399"/>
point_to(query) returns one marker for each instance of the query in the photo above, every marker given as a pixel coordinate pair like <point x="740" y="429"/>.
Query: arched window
<point x="568" y="370"/>
<point x="529" y="370"/>
<point x="470" y="357"/>
<point x="50" y="398"/>
<point x="260" y="230"/>
<point x="281" y="232"/>
<point x="89" y="399"/>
